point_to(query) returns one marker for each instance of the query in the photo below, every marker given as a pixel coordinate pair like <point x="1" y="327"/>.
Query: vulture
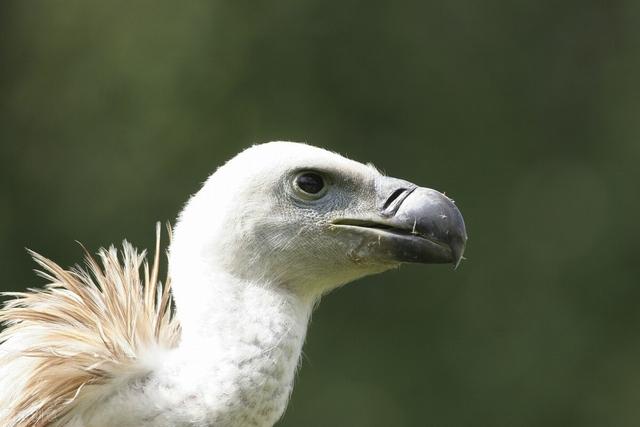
<point x="218" y="343"/>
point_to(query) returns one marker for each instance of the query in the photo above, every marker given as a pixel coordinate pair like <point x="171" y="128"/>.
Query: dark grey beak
<point x="413" y="224"/>
<point x="437" y="231"/>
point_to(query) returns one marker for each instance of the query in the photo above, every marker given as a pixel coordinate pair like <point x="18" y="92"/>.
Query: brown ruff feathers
<point x="87" y="327"/>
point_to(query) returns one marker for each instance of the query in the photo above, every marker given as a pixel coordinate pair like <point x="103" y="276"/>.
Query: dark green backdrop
<point x="526" y="112"/>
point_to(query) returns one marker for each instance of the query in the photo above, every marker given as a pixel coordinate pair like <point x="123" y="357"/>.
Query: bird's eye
<point x="311" y="184"/>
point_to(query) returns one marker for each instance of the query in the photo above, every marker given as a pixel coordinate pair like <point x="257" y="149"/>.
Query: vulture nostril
<point x="393" y="197"/>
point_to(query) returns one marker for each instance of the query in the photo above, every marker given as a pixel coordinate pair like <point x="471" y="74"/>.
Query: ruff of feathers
<point x="86" y="328"/>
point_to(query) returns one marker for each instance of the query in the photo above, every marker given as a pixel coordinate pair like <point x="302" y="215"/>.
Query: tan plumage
<point x="87" y="327"/>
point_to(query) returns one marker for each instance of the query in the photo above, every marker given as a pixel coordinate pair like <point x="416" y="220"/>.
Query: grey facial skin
<point x="413" y="224"/>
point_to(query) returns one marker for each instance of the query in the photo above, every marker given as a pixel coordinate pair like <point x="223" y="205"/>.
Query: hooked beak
<point x="413" y="224"/>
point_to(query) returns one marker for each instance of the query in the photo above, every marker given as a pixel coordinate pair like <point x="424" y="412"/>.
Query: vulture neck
<point x="240" y="348"/>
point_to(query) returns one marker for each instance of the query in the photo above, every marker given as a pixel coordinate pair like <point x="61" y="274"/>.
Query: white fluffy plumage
<point x="72" y="344"/>
<point x="251" y="255"/>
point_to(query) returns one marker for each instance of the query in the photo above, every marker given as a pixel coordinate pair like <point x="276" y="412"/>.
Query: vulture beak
<point x="412" y="224"/>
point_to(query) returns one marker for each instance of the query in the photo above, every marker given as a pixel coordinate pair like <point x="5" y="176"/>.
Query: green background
<point x="525" y="112"/>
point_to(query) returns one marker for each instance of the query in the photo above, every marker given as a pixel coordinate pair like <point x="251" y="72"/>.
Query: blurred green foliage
<point x="526" y="112"/>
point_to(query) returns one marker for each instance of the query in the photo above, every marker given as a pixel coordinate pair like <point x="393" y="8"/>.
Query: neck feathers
<point x="103" y="348"/>
<point x="236" y="364"/>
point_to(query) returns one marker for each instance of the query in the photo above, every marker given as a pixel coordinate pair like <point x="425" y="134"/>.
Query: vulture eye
<point x="310" y="184"/>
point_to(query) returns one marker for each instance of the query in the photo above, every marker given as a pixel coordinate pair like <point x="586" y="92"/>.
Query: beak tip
<point x="457" y="251"/>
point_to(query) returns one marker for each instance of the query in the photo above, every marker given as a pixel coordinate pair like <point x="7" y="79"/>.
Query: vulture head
<point x="308" y="220"/>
